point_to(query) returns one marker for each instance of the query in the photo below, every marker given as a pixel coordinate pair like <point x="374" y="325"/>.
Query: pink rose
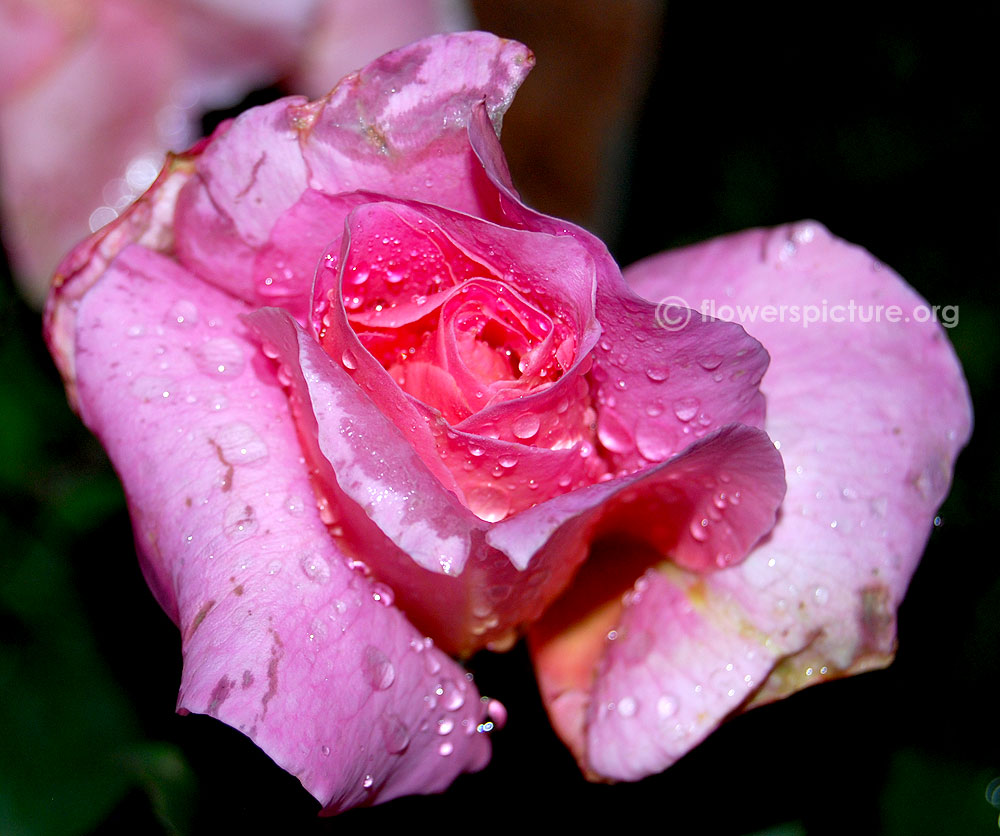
<point x="370" y="409"/>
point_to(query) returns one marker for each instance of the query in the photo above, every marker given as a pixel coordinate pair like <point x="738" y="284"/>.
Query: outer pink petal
<point x="398" y="126"/>
<point x="282" y="639"/>
<point x="869" y="418"/>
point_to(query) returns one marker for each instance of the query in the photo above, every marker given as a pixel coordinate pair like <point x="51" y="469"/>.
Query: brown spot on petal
<point x="238" y="590"/>
<point x="227" y="479"/>
<point x="247" y="679"/>
<point x="877" y="619"/>
<point x="220" y="693"/>
<point x="199" y="617"/>
<point x="277" y="651"/>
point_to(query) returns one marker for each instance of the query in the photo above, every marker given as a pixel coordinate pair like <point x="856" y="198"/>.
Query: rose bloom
<point x="372" y="414"/>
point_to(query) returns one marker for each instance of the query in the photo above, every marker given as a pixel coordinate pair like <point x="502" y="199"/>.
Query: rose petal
<point x="282" y="639"/>
<point x="659" y="388"/>
<point x="399" y="125"/>
<point x="380" y="130"/>
<point x="393" y="513"/>
<point x="869" y="417"/>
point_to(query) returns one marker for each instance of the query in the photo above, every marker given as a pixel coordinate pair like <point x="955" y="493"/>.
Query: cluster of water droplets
<point x="647" y="415"/>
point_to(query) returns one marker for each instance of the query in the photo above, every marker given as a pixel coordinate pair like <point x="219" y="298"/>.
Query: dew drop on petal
<point x="183" y="313"/>
<point x="221" y="357"/>
<point x="378" y="668"/>
<point x="526" y="426"/>
<point x="666" y="706"/>
<point x="395" y="735"/>
<point x="686" y="408"/>
<point x="710" y="362"/>
<point x="652" y="441"/>
<point x="489" y="503"/>
<point x="452" y="697"/>
<point x="315" y="567"/>
<point x="382" y="594"/>
<point x="699" y="530"/>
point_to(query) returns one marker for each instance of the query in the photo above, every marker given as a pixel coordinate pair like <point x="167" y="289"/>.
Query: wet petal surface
<point x="283" y="637"/>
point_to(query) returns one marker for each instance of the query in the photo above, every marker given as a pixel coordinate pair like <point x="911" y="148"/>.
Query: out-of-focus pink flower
<point x="93" y="93"/>
<point x="367" y="406"/>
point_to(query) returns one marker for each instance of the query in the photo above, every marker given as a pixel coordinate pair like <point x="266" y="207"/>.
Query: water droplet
<point x="452" y="697"/>
<point x="821" y="594"/>
<point x="445" y="726"/>
<point x="613" y="433"/>
<point x="349" y="360"/>
<point x="367" y="782"/>
<point x="445" y="749"/>
<point x="627" y="706"/>
<point x="657" y="373"/>
<point x="151" y="389"/>
<point x="274" y="567"/>
<point x="710" y="362"/>
<point x="183" y="313"/>
<point x="723" y="559"/>
<point x="507" y="461"/>
<point x="489" y="503"/>
<point x="326" y="751"/>
<point x="686" y="408"/>
<point x="395" y="734"/>
<point x="382" y="594"/>
<point x="315" y="567"/>
<point x="220" y="357"/>
<point x="666" y="706"/>
<point x="652" y="441"/>
<point x="239" y="444"/>
<point x="526" y="426"/>
<point x="699" y="530"/>
<point x="378" y="668"/>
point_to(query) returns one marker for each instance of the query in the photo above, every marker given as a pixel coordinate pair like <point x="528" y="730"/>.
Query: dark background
<point x="870" y="120"/>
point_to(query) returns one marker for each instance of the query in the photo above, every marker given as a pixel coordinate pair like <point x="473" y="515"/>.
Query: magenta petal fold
<point x="282" y="639"/>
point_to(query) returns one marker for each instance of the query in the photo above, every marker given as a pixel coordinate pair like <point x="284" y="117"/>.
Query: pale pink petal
<point x="282" y="639"/>
<point x="399" y="125"/>
<point x="380" y="130"/>
<point x="869" y="417"/>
